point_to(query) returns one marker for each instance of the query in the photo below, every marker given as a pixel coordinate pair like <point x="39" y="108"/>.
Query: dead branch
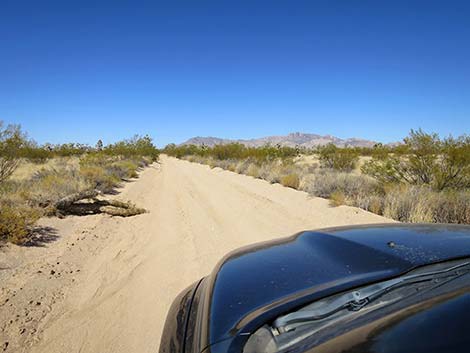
<point x="67" y="201"/>
<point x="71" y="205"/>
<point x="122" y="212"/>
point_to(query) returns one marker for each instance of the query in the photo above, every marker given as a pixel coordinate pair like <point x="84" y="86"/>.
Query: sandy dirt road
<point x="132" y="268"/>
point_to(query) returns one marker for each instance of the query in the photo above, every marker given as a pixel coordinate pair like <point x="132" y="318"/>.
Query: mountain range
<point x="290" y="140"/>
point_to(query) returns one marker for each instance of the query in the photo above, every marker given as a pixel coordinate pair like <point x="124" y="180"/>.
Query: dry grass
<point x="27" y="169"/>
<point x="291" y="180"/>
<point x="337" y="198"/>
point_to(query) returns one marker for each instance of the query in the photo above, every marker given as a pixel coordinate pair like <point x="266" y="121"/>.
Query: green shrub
<point x="12" y="139"/>
<point x="138" y="146"/>
<point x="233" y="151"/>
<point x="343" y="159"/>
<point x="124" y="169"/>
<point x="426" y="160"/>
<point x="16" y="223"/>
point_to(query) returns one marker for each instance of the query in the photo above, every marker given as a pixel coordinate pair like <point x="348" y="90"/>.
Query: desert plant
<point x="252" y="170"/>
<point x="337" y="198"/>
<point x="291" y="180"/>
<point x="441" y="164"/>
<point x="12" y="139"/>
<point x="17" y="222"/>
<point x="326" y="182"/>
<point x="332" y="157"/>
<point x="98" y="178"/>
<point x="49" y="185"/>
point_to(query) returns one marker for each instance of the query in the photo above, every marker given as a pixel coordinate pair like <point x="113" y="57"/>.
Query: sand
<point x="104" y="284"/>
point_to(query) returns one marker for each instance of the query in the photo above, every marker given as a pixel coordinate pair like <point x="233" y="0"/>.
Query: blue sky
<point x="84" y="70"/>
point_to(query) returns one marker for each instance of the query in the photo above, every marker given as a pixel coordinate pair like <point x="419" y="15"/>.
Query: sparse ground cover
<point x="35" y="180"/>
<point x="425" y="179"/>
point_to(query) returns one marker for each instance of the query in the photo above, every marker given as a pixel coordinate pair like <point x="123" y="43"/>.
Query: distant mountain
<point x="291" y="140"/>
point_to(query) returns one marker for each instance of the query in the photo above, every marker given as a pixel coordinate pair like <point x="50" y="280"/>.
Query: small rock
<point x="52" y="272"/>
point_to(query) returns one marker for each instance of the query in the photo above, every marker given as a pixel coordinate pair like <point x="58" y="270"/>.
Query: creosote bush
<point x="332" y="157"/>
<point x="425" y="160"/>
<point x="16" y="223"/>
<point x="12" y="139"/>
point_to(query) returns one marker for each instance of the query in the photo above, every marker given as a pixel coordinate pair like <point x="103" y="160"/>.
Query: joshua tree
<point x="99" y="145"/>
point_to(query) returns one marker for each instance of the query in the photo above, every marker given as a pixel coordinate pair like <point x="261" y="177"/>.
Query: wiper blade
<point x="356" y="300"/>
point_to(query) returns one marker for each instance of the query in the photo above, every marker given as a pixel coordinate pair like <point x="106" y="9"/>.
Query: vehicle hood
<point x="255" y="284"/>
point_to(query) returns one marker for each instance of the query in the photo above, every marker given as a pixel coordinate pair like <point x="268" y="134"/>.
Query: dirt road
<point x="131" y="269"/>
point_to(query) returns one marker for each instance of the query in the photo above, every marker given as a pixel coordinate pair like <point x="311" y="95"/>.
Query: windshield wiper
<point x="358" y="299"/>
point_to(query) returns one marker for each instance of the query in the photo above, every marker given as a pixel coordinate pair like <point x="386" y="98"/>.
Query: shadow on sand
<point x="41" y="236"/>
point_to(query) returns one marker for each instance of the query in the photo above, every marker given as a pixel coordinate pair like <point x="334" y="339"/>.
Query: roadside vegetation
<point x="37" y="181"/>
<point x="424" y="179"/>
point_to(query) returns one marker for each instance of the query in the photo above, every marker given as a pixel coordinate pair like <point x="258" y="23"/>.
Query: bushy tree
<point x="333" y="157"/>
<point x="12" y="139"/>
<point x="141" y="146"/>
<point x="425" y="159"/>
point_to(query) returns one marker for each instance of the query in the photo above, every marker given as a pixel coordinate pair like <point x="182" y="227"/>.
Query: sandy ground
<point x="103" y="284"/>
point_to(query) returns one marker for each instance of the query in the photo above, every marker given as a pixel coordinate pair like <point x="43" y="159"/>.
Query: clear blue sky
<point x="84" y="70"/>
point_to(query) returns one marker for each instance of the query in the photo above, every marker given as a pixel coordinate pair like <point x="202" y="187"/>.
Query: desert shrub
<point x="123" y="169"/>
<point x="233" y="151"/>
<point x="337" y="198"/>
<point x="137" y="146"/>
<point x="50" y="185"/>
<point x="226" y="164"/>
<point x="252" y="170"/>
<point x="270" y="172"/>
<point x="326" y="182"/>
<point x="34" y="153"/>
<point x="422" y="204"/>
<point x="98" y="178"/>
<point x="332" y="157"/>
<point x="426" y="160"/>
<point x="242" y="166"/>
<point x="370" y="202"/>
<point x="104" y="172"/>
<point x="12" y="139"/>
<point x="17" y="222"/>
<point x="291" y="181"/>
<point x="452" y="207"/>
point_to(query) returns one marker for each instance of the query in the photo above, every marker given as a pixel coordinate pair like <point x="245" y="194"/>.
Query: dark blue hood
<point x="255" y="284"/>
